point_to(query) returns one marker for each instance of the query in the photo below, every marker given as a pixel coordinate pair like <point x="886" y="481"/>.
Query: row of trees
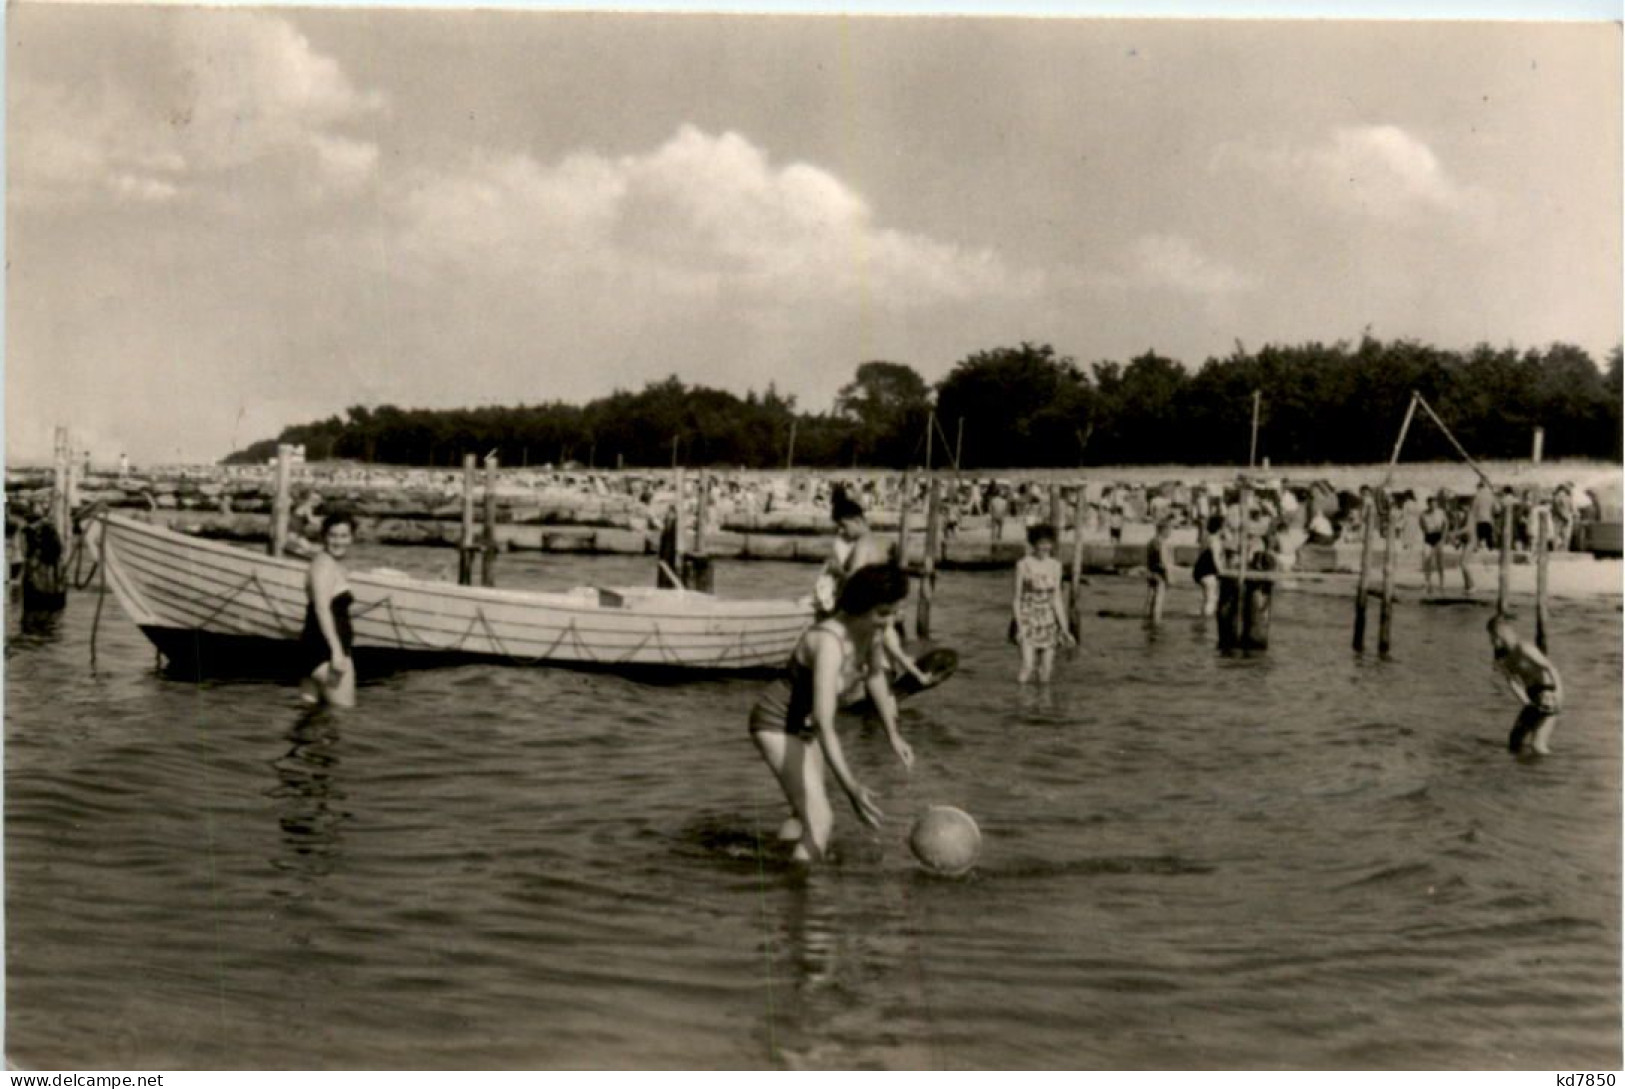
<point x="1030" y="406"/>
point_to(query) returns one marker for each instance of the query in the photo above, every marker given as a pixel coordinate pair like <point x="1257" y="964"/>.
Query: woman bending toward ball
<point x="793" y="724"/>
<point x="325" y="642"/>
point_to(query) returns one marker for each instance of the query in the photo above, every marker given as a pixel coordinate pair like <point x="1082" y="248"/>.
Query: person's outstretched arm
<point x="826" y="694"/>
<point x="885" y="701"/>
<point x="320" y="584"/>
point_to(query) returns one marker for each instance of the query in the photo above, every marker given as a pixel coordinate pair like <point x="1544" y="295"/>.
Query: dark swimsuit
<point x="1536" y="692"/>
<point x="1204" y="565"/>
<point x="1155" y="571"/>
<point x="313" y="648"/>
<point x="786" y="707"/>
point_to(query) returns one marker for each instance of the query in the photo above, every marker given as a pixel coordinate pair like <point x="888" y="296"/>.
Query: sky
<point x="221" y="222"/>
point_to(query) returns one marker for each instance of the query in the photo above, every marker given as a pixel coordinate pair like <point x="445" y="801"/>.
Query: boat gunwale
<point x="567" y="601"/>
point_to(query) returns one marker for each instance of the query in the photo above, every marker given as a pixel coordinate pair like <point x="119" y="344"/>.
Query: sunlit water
<point x="1297" y="859"/>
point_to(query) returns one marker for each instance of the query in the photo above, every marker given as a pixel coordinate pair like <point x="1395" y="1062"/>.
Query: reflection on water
<point x="40" y="624"/>
<point x="33" y="626"/>
<point x="1038" y="701"/>
<point x="848" y="995"/>
<point x="309" y="794"/>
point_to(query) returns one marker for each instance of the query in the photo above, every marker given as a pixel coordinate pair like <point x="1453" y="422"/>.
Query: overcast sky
<point x="221" y="222"/>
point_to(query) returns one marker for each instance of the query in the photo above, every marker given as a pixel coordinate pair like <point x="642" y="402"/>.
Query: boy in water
<point x="1159" y="561"/>
<point x="1533" y="679"/>
<point x="855" y="549"/>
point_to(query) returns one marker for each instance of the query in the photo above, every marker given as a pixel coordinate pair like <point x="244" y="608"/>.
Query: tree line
<point x="1029" y="406"/>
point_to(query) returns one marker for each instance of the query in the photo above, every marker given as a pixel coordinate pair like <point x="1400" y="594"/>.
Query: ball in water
<point x="946" y="840"/>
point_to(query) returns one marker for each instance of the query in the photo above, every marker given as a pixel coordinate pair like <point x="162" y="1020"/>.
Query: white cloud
<point x="698" y="217"/>
<point x="255" y="87"/>
<point x="1159" y="261"/>
<point x="1381" y="171"/>
<point x="1174" y="262"/>
<point x="66" y="145"/>
<point x="143" y="188"/>
<point x="344" y="163"/>
<point x="251" y="91"/>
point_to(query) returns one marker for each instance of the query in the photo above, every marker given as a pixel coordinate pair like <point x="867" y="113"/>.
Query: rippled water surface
<point x="1298" y="859"/>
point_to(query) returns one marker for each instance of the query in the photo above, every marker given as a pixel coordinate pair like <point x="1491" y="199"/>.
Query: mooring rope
<point x="101" y="592"/>
<point x="405" y="635"/>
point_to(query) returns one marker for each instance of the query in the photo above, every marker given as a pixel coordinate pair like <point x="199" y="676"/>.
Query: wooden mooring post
<point x="62" y="486"/>
<point x="44" y="575"/>
<point x="1244" y="611"/>
<point x="1245" y="596"/>
<point x="1238" y="619"/>
<point x="1390" y="558"/>
<point x="1080" y="506"/>
<point x="280" y="504"/>
<point x="902" y="520"/>
<point x="669" y="569"/>
<point x="1508" y="516"/>
<point x="465" y="546"/>
<point x="928" y="568"/>
<point x="697" y="571"/>
<point x="1368" y="518"/>
<point x="488" y="553"/>
<point x="702" y="490"/>
<point x="1543" y="521"/>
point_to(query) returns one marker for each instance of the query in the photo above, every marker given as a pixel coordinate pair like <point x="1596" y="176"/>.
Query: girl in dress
<point x="1040" y="617"/>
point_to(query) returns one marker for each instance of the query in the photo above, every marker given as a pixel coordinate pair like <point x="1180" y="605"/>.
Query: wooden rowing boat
<point x="211" y="608"/>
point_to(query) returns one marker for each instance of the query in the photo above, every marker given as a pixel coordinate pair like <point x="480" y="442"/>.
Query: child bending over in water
<point x="1533" y="679"/>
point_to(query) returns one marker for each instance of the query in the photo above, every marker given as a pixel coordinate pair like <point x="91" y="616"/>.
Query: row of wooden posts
<point x="467" y="549"/>
<point x="1543" y="517"/>
<point x="45" y="563"/>
<point x="1242" y="624"/>
<point x="1368" y="510"/>
<point x="691" y="566"/>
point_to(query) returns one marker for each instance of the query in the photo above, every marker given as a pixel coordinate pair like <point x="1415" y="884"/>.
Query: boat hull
<point x="189" y="654"/>
<point x="213" y="609"/>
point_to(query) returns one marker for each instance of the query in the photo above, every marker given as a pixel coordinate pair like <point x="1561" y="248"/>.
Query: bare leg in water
<point x="799" y="767"/>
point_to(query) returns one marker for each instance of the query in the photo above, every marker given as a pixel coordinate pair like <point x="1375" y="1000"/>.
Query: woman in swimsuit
<point x="1159" y="562"/>
<point x="793" y="724"/>
<point x="324" y="644"/>
<point x="1434" y="523"/>
<point x="1206" y="571"/>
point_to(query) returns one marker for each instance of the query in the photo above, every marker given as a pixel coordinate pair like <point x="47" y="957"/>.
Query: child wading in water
<point x="1159" y="561"/>
<point x="1435" y="527"/>
<point x="1533" y="679"/>
<point x="1040" y="619"/>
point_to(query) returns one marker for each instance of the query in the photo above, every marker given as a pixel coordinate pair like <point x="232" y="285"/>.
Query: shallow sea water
<point x="1298" y="859"/>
